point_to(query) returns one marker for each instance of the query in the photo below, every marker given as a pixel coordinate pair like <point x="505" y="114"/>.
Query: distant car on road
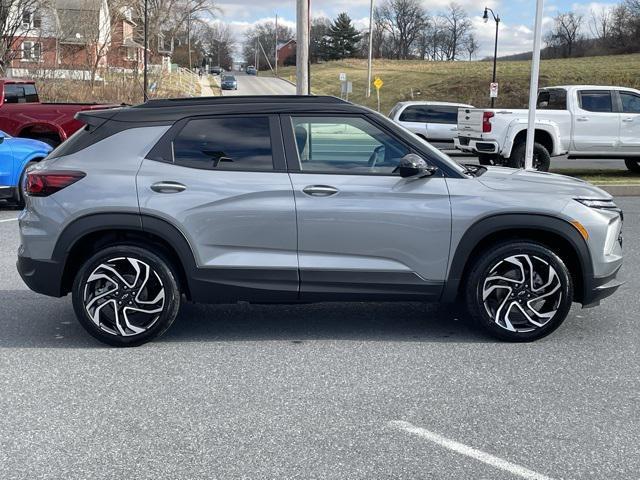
<point x="436" y="122"/>
<point x="251" y="70"/>
<point x="216" y="70"/>
<point x="229" y="82"/>
<point x="16" y="156"/>
<point x="582" y="121"/>
<point x="23" y="115"/>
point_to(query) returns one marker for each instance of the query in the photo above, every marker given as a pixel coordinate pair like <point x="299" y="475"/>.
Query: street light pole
<point x="302" y="47"/>
<point x="145" y="94"/>
<point x="496" y="18"/>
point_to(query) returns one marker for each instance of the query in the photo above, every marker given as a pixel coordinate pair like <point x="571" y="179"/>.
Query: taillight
<point x="486" y="121"/>
<point x="43" y="184"/>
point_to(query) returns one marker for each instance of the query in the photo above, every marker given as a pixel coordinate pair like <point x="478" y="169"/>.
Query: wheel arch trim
<point x="485" y="227"/>
<point x="78" y="229"/>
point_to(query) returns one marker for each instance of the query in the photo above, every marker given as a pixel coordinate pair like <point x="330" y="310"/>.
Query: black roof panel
<point x="240" y="99"/>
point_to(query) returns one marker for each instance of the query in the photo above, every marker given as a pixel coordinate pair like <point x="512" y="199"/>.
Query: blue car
<point x="16" y="155"/>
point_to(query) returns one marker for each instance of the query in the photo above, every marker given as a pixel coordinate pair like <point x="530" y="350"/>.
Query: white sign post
<point x="343" y="77"/>
<point x="533" y="87"/>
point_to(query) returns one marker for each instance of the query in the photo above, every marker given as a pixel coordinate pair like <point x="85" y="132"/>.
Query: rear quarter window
<point x="555" y="99"/>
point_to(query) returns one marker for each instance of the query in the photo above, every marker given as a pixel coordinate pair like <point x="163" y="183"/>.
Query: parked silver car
<point x="301" y="199"/>
<point x="436" y="122"/>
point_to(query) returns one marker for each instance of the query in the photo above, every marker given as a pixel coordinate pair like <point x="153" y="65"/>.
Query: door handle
<point x="582" y="119"/>
<point x="168" y="187"/>
<point x="320" y="190"/>
<point x="628" y="120"/>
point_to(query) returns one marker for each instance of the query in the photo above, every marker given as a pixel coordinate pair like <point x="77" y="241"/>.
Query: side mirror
<point x="413" y="165"/>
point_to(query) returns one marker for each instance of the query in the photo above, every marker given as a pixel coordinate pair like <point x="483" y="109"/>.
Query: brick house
<point x="124" y="51"/>
<point x="78" y="36"/>
<point x="287" y="53"/>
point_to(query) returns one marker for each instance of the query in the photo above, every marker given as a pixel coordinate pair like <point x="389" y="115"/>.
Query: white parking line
<point x="8" y="220"/>
<point x="469" y="451"/>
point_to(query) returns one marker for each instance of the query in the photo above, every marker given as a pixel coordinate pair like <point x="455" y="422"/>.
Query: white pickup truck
<point x="581" y="121"/>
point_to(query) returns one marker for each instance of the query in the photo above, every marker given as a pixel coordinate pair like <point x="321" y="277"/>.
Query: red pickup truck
<point x="22" y="114"/>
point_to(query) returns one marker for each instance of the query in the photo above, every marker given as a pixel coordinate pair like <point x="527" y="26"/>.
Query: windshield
<point x="4" y="134"/>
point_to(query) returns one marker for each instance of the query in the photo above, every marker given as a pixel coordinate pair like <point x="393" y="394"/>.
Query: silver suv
<point x="301" y="199"/>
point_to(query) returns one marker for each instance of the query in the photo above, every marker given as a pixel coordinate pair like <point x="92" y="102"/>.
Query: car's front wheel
<point x="126" y="295"/>
<point x="519" y="291"/>
<point x="633" y="164"/>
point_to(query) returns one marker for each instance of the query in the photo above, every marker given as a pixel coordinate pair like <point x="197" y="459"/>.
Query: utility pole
<point x="276" y="54"/>
<point x="370" y="49"/>
<point x="533" y="87"/>
<point x="302" y="47"/>
<point x="189" y="32"/>
<point x="145" y="93"/>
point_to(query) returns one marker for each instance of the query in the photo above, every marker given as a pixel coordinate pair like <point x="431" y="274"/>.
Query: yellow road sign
<point x="378" y="83"/>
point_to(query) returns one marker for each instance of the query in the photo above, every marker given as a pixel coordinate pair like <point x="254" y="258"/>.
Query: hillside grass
<point x="466" y="82"/>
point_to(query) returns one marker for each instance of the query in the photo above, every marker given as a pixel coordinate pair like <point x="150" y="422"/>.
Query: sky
<point x="516" y="28"/>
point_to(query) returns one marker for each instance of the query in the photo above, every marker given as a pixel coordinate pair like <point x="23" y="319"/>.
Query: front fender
<point x="503" y="223"/>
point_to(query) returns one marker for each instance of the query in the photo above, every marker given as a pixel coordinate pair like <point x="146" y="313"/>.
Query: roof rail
<point x="177" y="102"/>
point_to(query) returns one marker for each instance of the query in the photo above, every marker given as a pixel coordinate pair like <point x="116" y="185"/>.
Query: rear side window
<point x="555" y="99"/>
<point x="20" y="93"/>
<point x="596" y="101"/>
<point x="630" y="102"/>
<point x="430" y="114"/>
<point x="231" y="143"/>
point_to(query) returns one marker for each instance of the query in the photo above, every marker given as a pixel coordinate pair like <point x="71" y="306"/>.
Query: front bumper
<point x="599" y="288"/>
<point x="42" y="276"/>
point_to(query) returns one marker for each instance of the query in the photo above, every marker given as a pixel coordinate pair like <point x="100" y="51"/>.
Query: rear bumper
<point x="600" y="288"/>
<point x="476" y="145"/>
<point x="41" y="276"/>
<point x="7" y="192"/>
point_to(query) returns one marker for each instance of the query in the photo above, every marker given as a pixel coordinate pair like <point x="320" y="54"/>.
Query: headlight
<point x="598" y="203"/>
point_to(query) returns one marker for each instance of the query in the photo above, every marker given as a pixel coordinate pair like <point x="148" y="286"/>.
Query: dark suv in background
<point x="301" y="199"/>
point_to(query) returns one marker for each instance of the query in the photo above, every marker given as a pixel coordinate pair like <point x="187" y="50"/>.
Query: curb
<point x="621" y="190"/>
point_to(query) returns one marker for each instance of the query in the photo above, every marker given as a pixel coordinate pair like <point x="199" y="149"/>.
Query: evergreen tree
<point x="343" y="38"/>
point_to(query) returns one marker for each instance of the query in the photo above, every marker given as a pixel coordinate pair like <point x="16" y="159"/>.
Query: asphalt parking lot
<point x="341" y="391"/>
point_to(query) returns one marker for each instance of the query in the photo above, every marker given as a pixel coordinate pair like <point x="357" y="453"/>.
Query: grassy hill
<point x="467" y="82"/>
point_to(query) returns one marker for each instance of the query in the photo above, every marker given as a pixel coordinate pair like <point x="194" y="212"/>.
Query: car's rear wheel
<point x="519" y="291"/>
<point x="126" y="295"/>
<point x="541" y="157"/>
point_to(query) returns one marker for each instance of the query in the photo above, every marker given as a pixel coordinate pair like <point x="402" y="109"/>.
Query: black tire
<point x="52" y="142"/>
<point x="497" y="309"/>
<point x="19" y="191"/>
<point x="541" y="157"/>
<point x="128" y="295"/>
<point x="633" y="164"/>
<point x="488" y="159"/>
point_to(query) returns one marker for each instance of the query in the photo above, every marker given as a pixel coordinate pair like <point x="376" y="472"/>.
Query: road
<point x="317" y="391"/>
<point x="260" y="85"/>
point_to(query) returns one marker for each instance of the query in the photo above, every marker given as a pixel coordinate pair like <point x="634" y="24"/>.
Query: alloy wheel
<point x="124" y="296"/>
<point x="522" y="293"/>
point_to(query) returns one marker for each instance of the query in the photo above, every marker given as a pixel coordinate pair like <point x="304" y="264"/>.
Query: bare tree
<point x="458" y="26"/>
<point x="19" y="19"/>
<point x="471" y="45"/>
<point x="402" y="20"/>
<point x="218" y="43"/>
<point x="600" y="24"/>
<point x="265" y="34"/>
<point x="565" y="33"/>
